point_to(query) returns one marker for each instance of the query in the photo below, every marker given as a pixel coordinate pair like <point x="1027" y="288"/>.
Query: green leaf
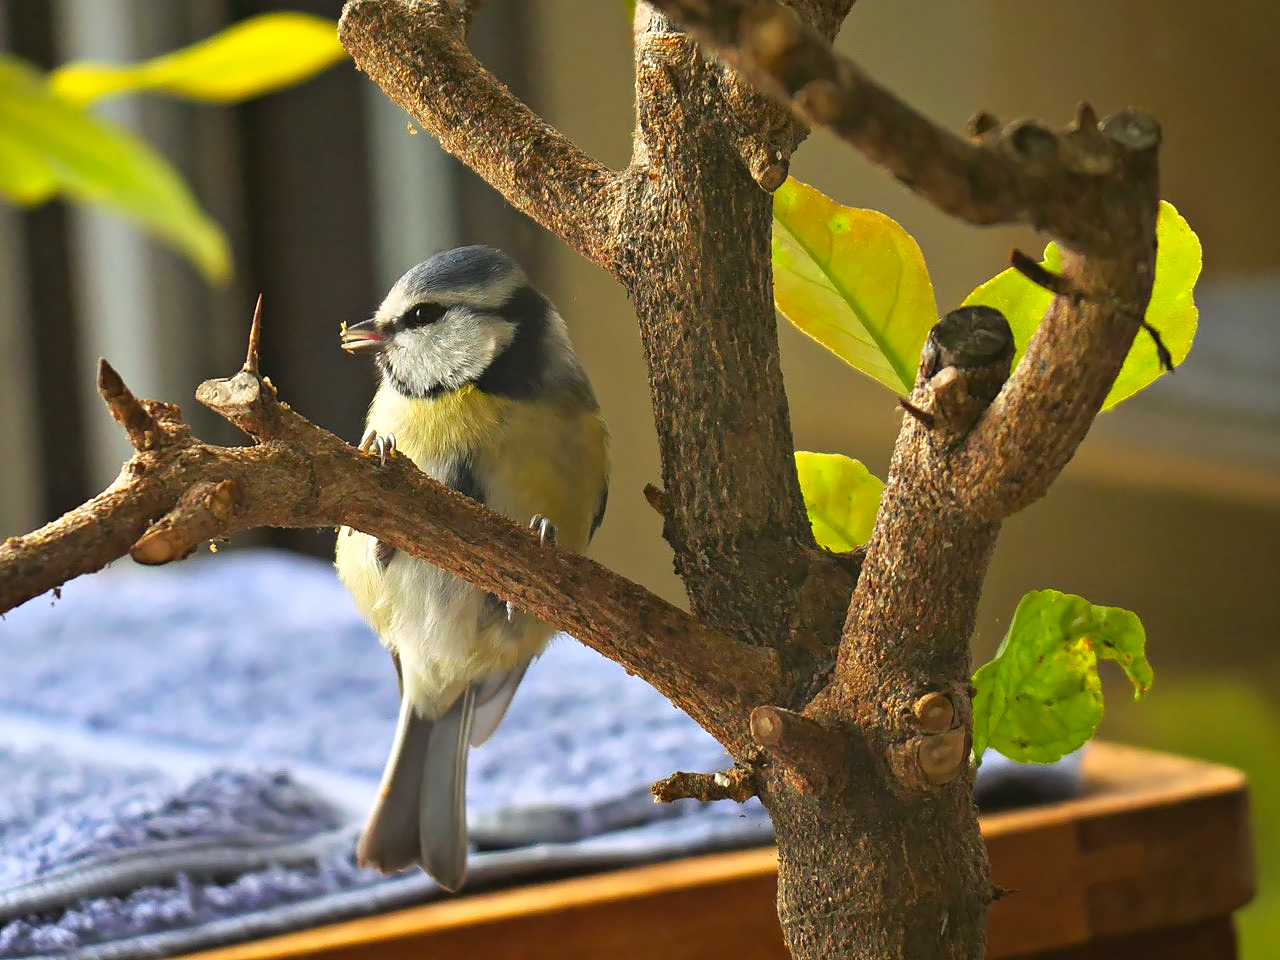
<point x="1040" y="697"/>
<point x="1172" y="310"/>
<point x="24" y="177"/>
<point x="95" y="162"/>
<point x="853" y="280"/>
<point x="841" y="496"/>
<point x="253" y="57"/>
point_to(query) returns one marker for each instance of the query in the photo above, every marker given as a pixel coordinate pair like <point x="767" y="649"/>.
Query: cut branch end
<point x="812" y="758"/>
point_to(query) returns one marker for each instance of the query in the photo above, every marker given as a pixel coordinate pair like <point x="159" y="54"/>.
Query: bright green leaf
<point x="841" y="496"/>
<point x="249" y="59"/>
<point x="24" y="177"/>
<point x="94" y="162"/>
<point x="1040" y="697"/>
<point x="1172" y="310"/>
<point x="853" y="280"/>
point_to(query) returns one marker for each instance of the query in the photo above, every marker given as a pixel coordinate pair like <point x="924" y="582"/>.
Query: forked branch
<point x="177" y="492"/>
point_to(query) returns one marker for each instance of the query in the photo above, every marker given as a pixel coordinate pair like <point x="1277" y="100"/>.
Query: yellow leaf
<point x="853" y="280"/>
<point x="246" y="60"/>
<point x="1172" y="311"/>
<point x="841" y="497"/>
<point x="95" y="162"/>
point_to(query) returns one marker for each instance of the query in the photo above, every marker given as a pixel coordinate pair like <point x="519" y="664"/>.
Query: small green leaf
<point x="841" y="496"/>
<point x="253" y="57"/>
<point x="1040" y="697"/>
<point x="95" y="162"/>
<point x="853" y="280"/>
<point x="1172" y="310"/>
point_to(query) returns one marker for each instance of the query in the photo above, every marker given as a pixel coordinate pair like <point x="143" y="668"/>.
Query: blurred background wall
<point x="1172" y="507"/>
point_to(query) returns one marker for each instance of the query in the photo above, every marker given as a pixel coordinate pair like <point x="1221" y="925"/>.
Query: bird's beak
<point x="363" y="337"/>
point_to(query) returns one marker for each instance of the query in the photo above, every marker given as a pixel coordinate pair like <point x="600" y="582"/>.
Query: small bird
<point x="481" y="389"/>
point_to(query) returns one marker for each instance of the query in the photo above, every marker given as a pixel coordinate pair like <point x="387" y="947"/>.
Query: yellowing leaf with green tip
<point x="841" y="497"/>
<point x="95" y="162"/>
<point x="253" y="57"/>
<point x="1172" y="311"/>
<point x="1040" y="698"/>
<point x="853" y="280"/>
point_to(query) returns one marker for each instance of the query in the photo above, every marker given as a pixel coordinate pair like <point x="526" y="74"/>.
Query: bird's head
<point x="465" y="316"/>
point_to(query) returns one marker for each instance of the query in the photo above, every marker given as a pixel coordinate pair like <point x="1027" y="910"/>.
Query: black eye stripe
<point x="422" y="314"/>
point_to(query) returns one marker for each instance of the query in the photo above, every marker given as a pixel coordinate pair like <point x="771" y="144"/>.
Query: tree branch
<point x="300" y="475"/>
<point x="416" y="52"/>
<point x="1071" y="184"/>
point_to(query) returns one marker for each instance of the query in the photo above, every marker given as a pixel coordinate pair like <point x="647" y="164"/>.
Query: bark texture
<point x="840" y="684"/>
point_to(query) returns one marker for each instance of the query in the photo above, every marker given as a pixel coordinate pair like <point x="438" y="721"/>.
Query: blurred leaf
<point x="248" y="59"/>
<point x="853" y="280"/>
<point x="841" y="497"/>
<point x="1040" y="697"/>
<point x="94" y="162"/>
<point x="24" y="177"/>
<point x="1172" y="310"/>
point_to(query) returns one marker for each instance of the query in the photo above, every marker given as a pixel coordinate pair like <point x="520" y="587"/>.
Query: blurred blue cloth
<point x="187" y="754"/>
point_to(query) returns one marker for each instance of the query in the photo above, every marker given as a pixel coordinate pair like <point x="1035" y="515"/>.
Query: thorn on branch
<point x="1038" y="274"/>
<point x="812" y="758"/>
<point x="1166" y="358"/>
<point x="255" y="336"/>
<point x="201" y="514"/>
<point x="999" y="893"/>
<point x="737" y="784"/>
<point x="1058" y="285"/>
<point x="924" y="416"/>
<point x="1085" y="118"/>
<point x="656" y="497"/>
<point x="139" y="425"/>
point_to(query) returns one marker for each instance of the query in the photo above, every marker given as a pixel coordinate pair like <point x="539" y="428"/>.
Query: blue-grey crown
<point x="461" y="270"/>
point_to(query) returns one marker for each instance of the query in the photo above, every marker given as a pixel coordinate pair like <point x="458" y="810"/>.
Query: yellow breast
<point x="435" y="429"/>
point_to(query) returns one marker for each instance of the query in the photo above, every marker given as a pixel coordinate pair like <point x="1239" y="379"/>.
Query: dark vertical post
<point x="62" y="448"/>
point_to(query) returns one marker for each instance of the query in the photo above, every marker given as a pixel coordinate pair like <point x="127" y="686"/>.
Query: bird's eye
<point x="422" y="314"/>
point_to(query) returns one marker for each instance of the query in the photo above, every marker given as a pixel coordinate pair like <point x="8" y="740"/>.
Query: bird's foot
<point x="546" y="531"/>
<point x="545" y="528"/>
<point x="384" y="445"/>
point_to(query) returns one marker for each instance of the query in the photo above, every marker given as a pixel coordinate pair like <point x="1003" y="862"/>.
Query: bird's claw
<point x="384" y="445"/>
<point x="546" y="531"/>
<point x="545" y="528"/>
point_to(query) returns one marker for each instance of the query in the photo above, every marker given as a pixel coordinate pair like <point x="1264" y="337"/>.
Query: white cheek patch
<point x="452" y="352"/>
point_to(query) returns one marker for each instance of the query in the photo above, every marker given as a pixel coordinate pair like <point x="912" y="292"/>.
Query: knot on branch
<point x="964" y="364"/>
<point x="202" y="513"/>
<point x="737" y="784"/>
<point x="812" y="758"/>
<point x="937" y="748"/>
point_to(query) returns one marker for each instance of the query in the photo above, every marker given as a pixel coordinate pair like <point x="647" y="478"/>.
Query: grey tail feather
<point x="493" y="696"/>
<point x="390" y="840"/>
<point x="442" y="827"/>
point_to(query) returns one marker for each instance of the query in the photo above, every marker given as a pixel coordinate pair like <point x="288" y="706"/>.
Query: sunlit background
<point x="1172" y="508"/>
